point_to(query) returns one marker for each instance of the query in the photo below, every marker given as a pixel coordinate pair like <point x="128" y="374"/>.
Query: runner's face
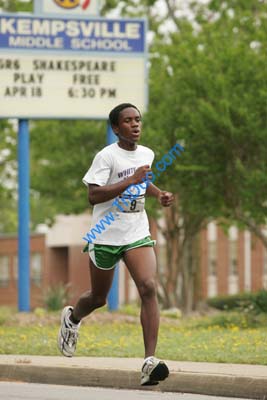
<point x="129" y="126"/>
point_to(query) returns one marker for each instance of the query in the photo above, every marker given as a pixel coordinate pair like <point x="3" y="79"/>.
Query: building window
<point x="15" y="268"/>
<point x="4" y="271"/>
<point x="265" y="268"/>
<point x="212" y="258"/>
<point x="264" y="261"/>
<point x="36" y="268"/>
<point x="233" y="257"/>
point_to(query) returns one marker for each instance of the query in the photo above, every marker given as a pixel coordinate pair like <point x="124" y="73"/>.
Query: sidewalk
<point x="232" y="380"/>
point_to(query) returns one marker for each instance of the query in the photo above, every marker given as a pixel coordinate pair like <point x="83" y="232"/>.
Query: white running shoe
<point x="153" y="371"/>
<point x="68" y="333"/>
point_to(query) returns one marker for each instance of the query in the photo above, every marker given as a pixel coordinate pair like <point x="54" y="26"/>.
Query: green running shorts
<point x="105" y="256"/>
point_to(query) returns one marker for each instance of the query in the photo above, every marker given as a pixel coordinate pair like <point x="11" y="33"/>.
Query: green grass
<point x="226" y="337"/>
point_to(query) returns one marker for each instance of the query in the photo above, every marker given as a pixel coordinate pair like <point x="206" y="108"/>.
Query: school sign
<point x="74" y="67"/>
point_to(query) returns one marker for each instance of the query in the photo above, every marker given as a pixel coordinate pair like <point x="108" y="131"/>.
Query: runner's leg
<point x="141" y="263"/>
<point x="101" y="281"/>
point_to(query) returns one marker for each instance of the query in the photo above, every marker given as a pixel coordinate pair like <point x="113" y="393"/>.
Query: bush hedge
<point x="245" y="301"/>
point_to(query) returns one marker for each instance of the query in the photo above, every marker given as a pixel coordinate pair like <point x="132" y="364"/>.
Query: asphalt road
<point x="32" y="391"/>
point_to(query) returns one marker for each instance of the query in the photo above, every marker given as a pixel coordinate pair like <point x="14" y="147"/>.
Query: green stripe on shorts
<point x="105" y="256"/>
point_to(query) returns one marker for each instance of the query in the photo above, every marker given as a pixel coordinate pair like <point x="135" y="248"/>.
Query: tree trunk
<point x="178" y="278"/>
<point x="189" y="272"/>
<point x="168" y="278"/>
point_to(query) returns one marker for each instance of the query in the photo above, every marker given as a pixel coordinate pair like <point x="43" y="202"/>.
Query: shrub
<point x="56" y="297"/>
<point x="230" y="302"/>
<point x="261" y="300"/>
<point x="246" y="301"/>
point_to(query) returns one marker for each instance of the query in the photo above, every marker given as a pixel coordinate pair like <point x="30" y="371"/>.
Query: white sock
<point x="148" y="358"/>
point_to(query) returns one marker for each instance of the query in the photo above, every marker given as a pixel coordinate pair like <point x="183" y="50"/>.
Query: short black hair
<point x="115" y="112"/>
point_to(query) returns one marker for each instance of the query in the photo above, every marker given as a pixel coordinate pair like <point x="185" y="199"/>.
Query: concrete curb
<point x="229" y="380"/>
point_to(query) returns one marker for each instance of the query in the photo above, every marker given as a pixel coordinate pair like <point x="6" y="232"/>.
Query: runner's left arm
<point x="165" y="198"/>
<point x="152" y="190"/>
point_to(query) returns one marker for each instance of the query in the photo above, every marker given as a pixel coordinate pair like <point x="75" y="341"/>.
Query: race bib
<point x="130" y="205"/>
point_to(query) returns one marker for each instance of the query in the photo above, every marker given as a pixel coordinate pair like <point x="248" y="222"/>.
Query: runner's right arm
<point x="99" y="194"/>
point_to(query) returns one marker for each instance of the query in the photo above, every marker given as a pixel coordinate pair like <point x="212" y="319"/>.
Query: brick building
<point x="55" y="258"/>
<point x="228" y="263"/>
<point x="231" y="263"/>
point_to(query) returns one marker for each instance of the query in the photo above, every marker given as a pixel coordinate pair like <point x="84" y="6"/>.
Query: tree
<point x="8" y="209"/>
<point x="61" y="153"/>
<point x="208" y="89"/>
<point x="16" y="5"/>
